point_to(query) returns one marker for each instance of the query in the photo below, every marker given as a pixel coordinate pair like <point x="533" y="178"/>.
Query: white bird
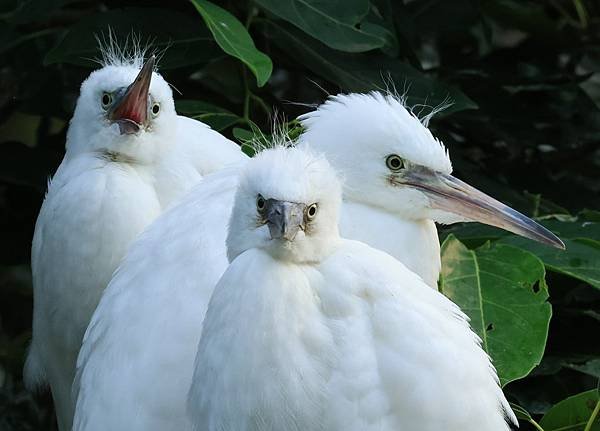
<point x="308" y="331"/>
<point x="397" y="181"/>
<point x="128" y="156"/>
<point x="139" y="349"/>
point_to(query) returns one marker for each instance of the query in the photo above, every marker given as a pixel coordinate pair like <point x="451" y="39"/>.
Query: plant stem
<point x="536" y="205"/>
<point x="261" y="103"/>
<point x="581" y="13"/>
<point x="535" y="424"/>
<point x="592" y="419"/>
<point x="565" y="14"/>
<point x="247" y="93"/>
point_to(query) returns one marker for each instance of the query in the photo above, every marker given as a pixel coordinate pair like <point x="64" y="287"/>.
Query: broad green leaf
<point x="216" y="117"/>
<point x="234" y="39"/>
<point x="474" y="234"/>
<point x="365" y="72"/>
<point x="590" y="215"/>
<point x="180" y="42"/>
<point x="580" y="260"/>
<point x="246" y="138"/>
<point x="503" y="291"/>
<point x="573" y="413"/>
<point x="339" y="24"/>
<point x="577" y="228"/>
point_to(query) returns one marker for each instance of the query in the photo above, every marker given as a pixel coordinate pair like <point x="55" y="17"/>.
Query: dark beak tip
<point x="560" y="244"/>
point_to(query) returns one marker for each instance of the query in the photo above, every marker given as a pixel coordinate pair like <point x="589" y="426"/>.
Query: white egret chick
<point x="128" y="156"/>
<point x="309" y="331"/>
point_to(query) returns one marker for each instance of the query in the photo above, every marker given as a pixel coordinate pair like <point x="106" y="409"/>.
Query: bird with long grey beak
<point x="398" y="182"/>
<point x="128" y="156"/>
<point x="139" y="349"/>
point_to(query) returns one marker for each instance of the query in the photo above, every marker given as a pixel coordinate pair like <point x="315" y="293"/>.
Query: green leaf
<point x="245" y="137"/>
<point x="580" y="260"/>
<point x="339" y="24"/>
<point x="183" y="41"/>
<point x="216" y="117"/>
<point x="474" y="234"/>
<point x="566" y="227"/>
<point x="234" y="39"/>
<point x="502" y="289"/>
<point x="365" y="72"/>
<point x="573" y="413"/>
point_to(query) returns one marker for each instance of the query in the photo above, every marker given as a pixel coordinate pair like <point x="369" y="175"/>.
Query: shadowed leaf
<point x="180" y="42"/>
<point x="339" y="24"/>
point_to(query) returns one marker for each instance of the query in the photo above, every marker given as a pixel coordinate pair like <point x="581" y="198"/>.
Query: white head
<point x="389" y="159"/>
<point x="287" y="203"/>
<point x="123" y="109"/>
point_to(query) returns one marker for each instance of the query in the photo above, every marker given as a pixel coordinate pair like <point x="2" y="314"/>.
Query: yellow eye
<point x="394" y="162"/>
<point x="311" y="211"/>
<point x="106" y="100"/>
<point x="155" y="109"/>
<point x="260" y="203"/>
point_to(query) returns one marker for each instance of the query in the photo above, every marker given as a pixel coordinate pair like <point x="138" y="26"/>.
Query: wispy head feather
<point x="281" y="136"/>
<point x="423" y="111"/>
<point x="129" y="53"/>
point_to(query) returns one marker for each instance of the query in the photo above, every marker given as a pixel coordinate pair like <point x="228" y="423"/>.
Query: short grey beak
<point x="285" y="219"/>
<point x="131" y="111"/>
<point x="450" y="194"/>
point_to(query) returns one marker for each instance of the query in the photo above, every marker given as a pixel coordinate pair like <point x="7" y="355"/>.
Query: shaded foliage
<point x="524" y="125"/>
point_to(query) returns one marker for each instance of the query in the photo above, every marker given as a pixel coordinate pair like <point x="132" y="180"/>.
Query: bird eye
<point x="155" y="109"/>
<point x="260" y="203"/>
<point x="394" y="162"/>
<point x="311" y="212"/>
<point x="106" y="100"/>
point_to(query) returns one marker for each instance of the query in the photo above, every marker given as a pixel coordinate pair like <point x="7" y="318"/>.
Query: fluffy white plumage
<point x="357" y="132"/>
<point x="322" y="333"/>
<point x="136" y="362"/>
<point x="166" y="279"/>
<point x="108" y="188"/>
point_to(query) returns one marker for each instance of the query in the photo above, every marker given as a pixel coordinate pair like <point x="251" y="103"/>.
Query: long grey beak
<point x="285" y="219"/>
<point x="131" y="111"/>
<point x="450" y="194"/>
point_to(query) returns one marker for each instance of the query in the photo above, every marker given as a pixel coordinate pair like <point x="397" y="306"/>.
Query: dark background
<point x="523" y="76"/>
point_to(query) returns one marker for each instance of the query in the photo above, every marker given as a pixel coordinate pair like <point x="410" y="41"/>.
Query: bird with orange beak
<point x="128" y="156"/>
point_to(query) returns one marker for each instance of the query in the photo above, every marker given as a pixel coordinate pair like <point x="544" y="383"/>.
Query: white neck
<point x="413" y="242"/>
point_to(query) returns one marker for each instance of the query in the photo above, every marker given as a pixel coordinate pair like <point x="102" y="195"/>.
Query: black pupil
<point x="261" y="203"/>
<point x="155" y="109"/>
<point x="395" y="162"/>
<point x="105" y="99"/>
<point x="311" y="211"/>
